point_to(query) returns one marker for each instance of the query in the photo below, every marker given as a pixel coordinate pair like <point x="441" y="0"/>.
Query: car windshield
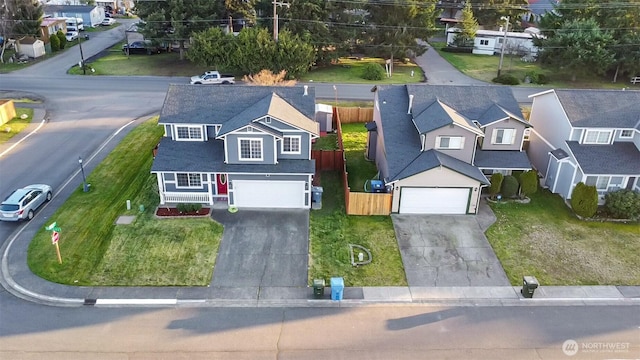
<point x="9" y="207"/>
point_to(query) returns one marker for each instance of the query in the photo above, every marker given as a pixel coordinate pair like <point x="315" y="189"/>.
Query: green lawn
<point x="359" y="169"/>
<point x="16" y="125"/>
<point x="328" y="142"/>
<point x="331" y="232"/>
<point x="545" y="240"/>
<point x="484" y="67"/>
<point x="149" y="252"/>
<point x="349" y="71"/>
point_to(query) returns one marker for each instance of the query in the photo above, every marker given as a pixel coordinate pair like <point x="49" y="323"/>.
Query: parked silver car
<point x="23" y="203"/>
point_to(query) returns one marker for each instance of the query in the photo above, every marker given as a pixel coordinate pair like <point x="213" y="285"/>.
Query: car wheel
<point x="225" y="83"/>
<point x="30" y="215"/>
<point x="49" y="196"/>
<point x="198" y="83"/>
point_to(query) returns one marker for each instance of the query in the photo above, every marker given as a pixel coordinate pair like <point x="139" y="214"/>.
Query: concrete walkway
<point x="438" y="71"/>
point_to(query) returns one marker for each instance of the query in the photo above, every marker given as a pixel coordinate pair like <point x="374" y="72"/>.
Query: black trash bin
<point x="529" y="286"/>
<point x="318" y="288"/>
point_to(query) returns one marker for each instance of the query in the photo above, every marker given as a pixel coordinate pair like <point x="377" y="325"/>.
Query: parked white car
<point x="213" y="77"/>
<point x="108" y="21"/>
<point x="23" y="203"/>
<point x="71" y="35"/>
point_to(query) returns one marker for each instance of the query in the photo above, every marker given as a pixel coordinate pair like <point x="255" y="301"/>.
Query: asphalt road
<point x="29" y="331"/>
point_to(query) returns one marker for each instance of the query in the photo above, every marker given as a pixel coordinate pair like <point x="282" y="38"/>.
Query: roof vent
<point x="410" y="104"/>
<point x="306" y="88"/>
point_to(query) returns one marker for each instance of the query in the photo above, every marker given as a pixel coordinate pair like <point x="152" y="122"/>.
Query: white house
<point x="489" y="42"/>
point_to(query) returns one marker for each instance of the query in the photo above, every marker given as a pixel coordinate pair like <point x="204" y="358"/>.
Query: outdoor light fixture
<point x="85" y="187"/>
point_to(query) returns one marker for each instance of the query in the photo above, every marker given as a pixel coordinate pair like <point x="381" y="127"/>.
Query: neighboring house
<point x="435" y="144"/>
<point x="489" y="42"/>
<point x="589" y="136"/>
<point x="537" y="8"/>
<point x="245" y="146"/>
<point x="91" y="15"/>
<point x="50" y="26"/>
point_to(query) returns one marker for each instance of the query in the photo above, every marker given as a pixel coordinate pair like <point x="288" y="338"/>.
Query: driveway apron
<point x="446" y="250"/>
<point x="262" y="248"/>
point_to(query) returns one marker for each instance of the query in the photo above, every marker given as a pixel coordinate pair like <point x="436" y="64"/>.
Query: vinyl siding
<point x="505" y="124"/>
<point x="268" y="145"/>
<point x="465" y="154"/>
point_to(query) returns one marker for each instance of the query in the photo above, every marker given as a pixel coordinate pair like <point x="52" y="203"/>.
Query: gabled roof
<point x="469" y="101"/>
<point x="619" y="158"/>
<point x="193" y="104"/>
<point x="402" y="141"/>
<point x="437" y="115"/>
<point x="601" y="108"/>
<point x="431" y="159"/>
<point x="496" y="113"/>
<point x="68" y="8"/>
<point x="273" y="106"/>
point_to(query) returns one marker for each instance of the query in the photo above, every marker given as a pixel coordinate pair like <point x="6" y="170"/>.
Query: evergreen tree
<point x="468" y="28"/>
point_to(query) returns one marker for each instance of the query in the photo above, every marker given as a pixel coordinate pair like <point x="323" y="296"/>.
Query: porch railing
<point x="177" y="197"/>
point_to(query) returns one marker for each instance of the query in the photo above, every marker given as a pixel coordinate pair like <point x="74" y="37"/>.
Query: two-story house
<point x="435" y="144"/>
<point x="589" y="136"/>
<point x="245" y="146"/>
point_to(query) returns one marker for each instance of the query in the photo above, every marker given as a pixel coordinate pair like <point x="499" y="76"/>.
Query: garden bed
<point x="174" y="212"/>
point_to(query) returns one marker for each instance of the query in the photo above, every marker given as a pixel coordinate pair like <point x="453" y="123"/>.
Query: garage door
<point x="268" y="194"/>
<point x="434" y="200"/>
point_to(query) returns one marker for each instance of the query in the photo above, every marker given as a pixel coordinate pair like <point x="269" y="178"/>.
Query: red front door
<point x="221" y="180"/>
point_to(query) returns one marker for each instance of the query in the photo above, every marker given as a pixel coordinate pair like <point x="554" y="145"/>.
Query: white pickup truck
<point x="213" y="77"/>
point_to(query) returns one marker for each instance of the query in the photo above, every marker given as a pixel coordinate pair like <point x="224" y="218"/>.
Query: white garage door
<point x="434" y="200"/>
<point x="268" y="194"/>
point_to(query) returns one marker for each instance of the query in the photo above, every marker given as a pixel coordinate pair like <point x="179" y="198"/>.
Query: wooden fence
<point x="359" y="203"/>
<point x="328" y="160"/>
<point x="349" y="115"/>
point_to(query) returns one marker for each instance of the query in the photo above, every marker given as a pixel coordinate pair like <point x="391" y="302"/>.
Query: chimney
<point x="410" y="104"/>
<point x="306" y="87"/>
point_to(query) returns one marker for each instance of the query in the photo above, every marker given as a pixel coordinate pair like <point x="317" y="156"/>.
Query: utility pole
<point x="84" y="69"/>
<point x="504" y="42"/>
<point x="275" y="17"/>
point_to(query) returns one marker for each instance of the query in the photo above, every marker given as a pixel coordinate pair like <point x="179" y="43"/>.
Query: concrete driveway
<point x="447" y="250"/>
<point x="261" y="248"/>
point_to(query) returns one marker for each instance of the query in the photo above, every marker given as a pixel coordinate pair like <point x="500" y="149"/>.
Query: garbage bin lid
<point x="337" y="281"/>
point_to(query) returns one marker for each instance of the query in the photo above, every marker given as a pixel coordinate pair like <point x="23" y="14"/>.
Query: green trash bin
<point x="318" y="288"/>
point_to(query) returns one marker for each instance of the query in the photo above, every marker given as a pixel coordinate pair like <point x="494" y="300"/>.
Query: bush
<point x="623" y="204"/>
<point x="62" y="38"/>
<point x="528" y="182"/>
<point x="373" y="71"/>
<point x="510" y="186"/>
<point x="459" y="49"/>
<point x="496" y="184"/>
<point x="187" y="208"/>
<point x="55" y="43"/>
<point x="506" y="79"/>
<point x="537" y="77"/>
<point x="584" y="200"/>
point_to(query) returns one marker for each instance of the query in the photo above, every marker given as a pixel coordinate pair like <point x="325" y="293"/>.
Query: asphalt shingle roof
<point x="601" y="108"/>
<point x="402" y="142"/>
<point x="559" y="154"/>
<point x="620" y="158"/>
<point x="439" y="114"/>
<point x="196" y="156"/>
<point x="496" y="159"/>
<point x="197" y="104"/>
<point x="48" y="9"/>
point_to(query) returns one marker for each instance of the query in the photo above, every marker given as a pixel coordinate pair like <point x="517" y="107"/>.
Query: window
<point x="189" y="132"/>
<point x="267" y="120"/>
<point x="189" y="180"/>
<point x="626" y="134"/>
<point x="605" y="183"/>
<point x="449" y="142"/>
<point x="291" y="145"/>
<point x="503" y="136"/>
<point x="250" y="149"/>
<point x="597" y="137"/>
<point x="484" y="42"/>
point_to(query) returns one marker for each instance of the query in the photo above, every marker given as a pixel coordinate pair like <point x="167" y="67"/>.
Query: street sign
<point x="55" y="236"/>
<point x="52" y="226"/>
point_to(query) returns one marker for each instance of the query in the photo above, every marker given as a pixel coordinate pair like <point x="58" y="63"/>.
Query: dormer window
<point x="250" y="149"/>
<point x="449" y="142"/>
<point x="291" y="144"/>
<point x="598" y="137"/>
<point x="189" y="132"/>
<point x="503" y="136"/>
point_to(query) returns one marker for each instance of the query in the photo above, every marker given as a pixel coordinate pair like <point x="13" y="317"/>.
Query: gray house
<point x="434" y="144"/>
<point x="589" y="136"/>
<point x="245" y="146"/>
<point x="91" y="15"/>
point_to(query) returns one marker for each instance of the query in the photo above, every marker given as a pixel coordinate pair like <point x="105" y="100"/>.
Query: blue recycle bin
<point x="337" y="288"/>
